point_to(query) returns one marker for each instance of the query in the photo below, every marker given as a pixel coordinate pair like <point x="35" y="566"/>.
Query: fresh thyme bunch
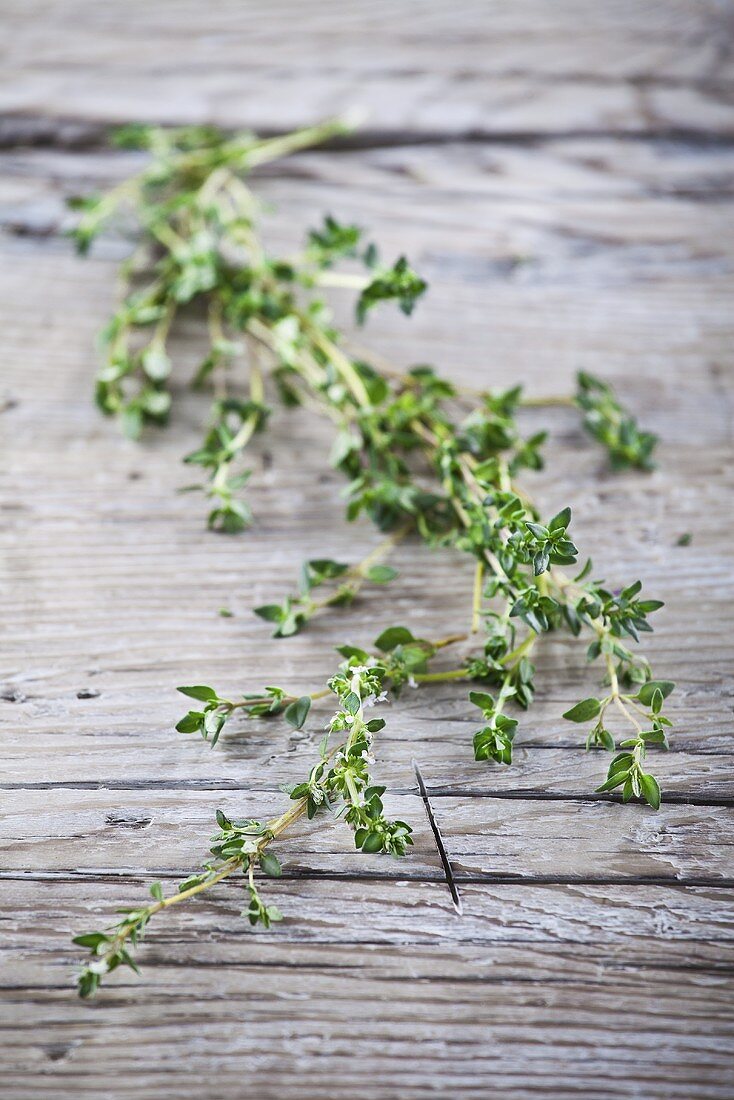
<point x="421" y="459"/>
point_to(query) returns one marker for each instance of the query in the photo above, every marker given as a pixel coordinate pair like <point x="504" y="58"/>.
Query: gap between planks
<point x="21" y="130"/>
<point x="314" y="875"/>
<point x="526" y="794"/>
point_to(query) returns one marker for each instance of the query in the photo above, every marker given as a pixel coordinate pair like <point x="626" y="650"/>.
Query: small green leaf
<point x="270" y="865"/>
<point x="319" y="570"/>
<point x="214" y="724"/>
<point x="156" y="363"/>
<point x="372" y="843"/>
<point x="352" y="703"/>
<point x="381" y="574"/>
<point x="560" y="521"/>
<point x="540" y="562"/>
<point x="271" y="612"/>
<point x="91" y="939"/>
<point x="482" y="700"/>
<point x="650" y="790"/>
<point x="350" y="651"/>
<point x="296" y="712"/>
<point x="199" y="691"/>
<point x="615" y="780"/>
<point x="647" y="691"/>
<point x="602" y="738"/>
<point x="583" y="711"/>
<point x="393" y="637"/>
<point x="191" y="722"/>
<point x="654" y="737"/>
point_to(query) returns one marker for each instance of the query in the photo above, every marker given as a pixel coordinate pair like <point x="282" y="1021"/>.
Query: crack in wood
<point x="21" y="130"/>
<point x="521" y="794"/>
<point x="310" y="875"/>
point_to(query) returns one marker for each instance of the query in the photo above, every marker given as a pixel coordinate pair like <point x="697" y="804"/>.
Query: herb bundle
<point x="421" y="458"/>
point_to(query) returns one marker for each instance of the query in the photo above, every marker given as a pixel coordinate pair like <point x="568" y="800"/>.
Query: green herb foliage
<point x="417" y="462"/>
<point x="608" y="422"/>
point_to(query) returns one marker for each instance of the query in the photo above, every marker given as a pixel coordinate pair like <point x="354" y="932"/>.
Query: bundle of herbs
<point x="421" y="458"/>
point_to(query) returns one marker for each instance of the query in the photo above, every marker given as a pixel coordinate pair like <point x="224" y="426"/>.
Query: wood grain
<point x="522" y="69"/>
<point x="394" y="982"/>
<point x="487" y="838"/>
<point x="563" y="176"/>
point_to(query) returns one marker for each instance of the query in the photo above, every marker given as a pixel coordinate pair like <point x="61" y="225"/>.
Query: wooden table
<point x="561" y="173"/>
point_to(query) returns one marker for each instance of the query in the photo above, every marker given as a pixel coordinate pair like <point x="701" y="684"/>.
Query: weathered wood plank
<point x="262" y="757"/>
<point x="425" y="68"/>
<point x="544" y="277"/>
<point x="643" y="926"/>
<point x="615" y="172"/>
<point x="536" y="967"/>
<point x="603" y="204"/>
<point x="486" y="838"/>
<point x="641" y="922"/>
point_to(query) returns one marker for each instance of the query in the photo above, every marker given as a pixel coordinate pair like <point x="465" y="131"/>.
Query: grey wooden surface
<point x="562" y="173"/>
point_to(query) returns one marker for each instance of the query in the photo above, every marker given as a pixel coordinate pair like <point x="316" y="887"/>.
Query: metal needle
<point x="450" y="881"/>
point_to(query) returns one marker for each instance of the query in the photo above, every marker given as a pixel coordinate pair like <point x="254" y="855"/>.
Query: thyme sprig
<point x="340" y="781"/>
<point x="612" y="425"/>
<point x="421" y="457"/>
<point x="341" y="582"/>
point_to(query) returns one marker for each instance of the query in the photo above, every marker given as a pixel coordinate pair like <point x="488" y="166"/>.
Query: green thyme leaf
<point x="296" y="713"/>
<point x="583" y="711"/>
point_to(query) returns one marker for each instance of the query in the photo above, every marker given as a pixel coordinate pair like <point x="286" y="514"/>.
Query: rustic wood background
<point x="562" y="173"/>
